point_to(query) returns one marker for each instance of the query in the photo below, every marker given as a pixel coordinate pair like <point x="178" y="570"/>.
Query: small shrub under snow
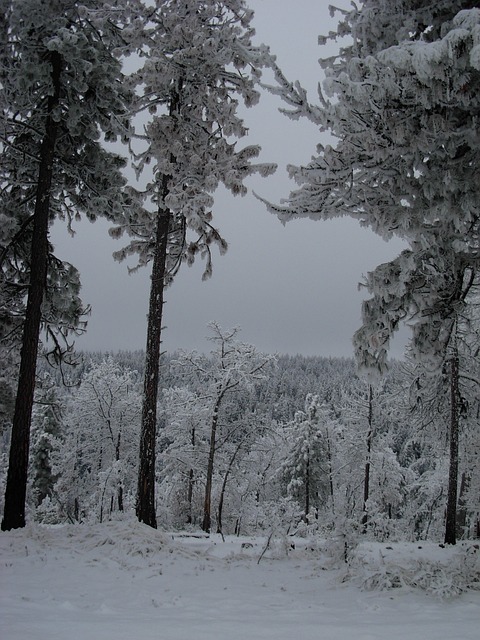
<point x="444" y="572"/>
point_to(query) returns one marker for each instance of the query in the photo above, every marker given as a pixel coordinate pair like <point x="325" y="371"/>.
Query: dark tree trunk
<point x="220" y="503"/>
<point x="191" y="483"/>
<point x="462" y="506"/>
<point x="146" y="472"/>
<point x="16" y="488"/>
<point x="330" y="473"/>
<point x="451" y="519"/>
<point x="120" y="486"/>
<point x="366" y="480"/>
<point x="207" y="504"/>
<point x="307" y="487"/>
<point x="145" y="507"/>
<point x="224" y="486"/>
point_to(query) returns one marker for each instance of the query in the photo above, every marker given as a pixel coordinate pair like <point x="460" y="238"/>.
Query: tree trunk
<point x="451" y="519"/>
<point x="16" y="488"/>
<point x="224" y="486"/>
<point x="146" y="472"/>
<point x="207" y="504"/>
<point x="462" y="506"/>
<point x="120" y="485"/>
<point x="220" y="503"/>
<point x="145" y="507"/>
<point x="191" y="483"/>
<point x="366" y="480"/>
<point x="307" y="486"/>
<point x="330" y="471"/>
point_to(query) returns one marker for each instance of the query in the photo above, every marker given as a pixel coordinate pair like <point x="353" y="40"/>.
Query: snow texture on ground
<point x="124" y="580"/>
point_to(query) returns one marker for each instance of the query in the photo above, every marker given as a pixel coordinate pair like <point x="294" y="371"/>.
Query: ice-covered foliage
<point x="235" y="366"/>
<point x="402" y="101"/>
<point x="306" y="466"/>
<point x="46" y="438"/>
<point x="93" y="106"/>
<point x="441" y="574"/>
<point x="182" y="455"/>
<point x="408" y="454"/>
<point x="199" y="64"/>
<point x="96" y="461"/>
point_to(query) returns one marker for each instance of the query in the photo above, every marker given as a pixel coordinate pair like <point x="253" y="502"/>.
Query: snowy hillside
<point x="125" y="581"/>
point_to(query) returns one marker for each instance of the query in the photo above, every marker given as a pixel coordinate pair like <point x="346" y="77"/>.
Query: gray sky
<point x="291" y="289"/>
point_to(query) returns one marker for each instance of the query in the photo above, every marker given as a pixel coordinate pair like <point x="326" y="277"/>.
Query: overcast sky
<point x="291" y="289"/>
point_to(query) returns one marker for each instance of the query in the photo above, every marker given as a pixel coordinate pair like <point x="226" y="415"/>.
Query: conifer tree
<point x="99" y="463"/>
<point x="305" y="465"/>
<point x="46" y="435"/>
<point x="61" y="93"/>
<point x="200" y="63"/>
<point x="403" y="103"/>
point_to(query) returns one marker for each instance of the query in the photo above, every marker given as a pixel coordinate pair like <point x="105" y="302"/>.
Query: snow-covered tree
<point x="97" y="463"/>
<point x="183" y="452"/>
<point x="403" y="107"/>
<point x="306" y="465"/>
<point x="235" y="366"/>
<point x="257" y="486"/>
<point x="403" y="102"/>
<point x="200" y="63"/>
<point x="46" y="436"/>
<point x="446" y="429"/>
<point x="370" y="485"/>
<point x="62" y="93"/>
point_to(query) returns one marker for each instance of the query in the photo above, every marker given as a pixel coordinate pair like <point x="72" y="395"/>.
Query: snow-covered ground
<point x="123" y="580"/>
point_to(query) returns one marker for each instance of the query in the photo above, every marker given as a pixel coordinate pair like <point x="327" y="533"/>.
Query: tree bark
<point x="207" y="504"/>
<point x="451" y="516"/>
<point x="145" y="507"/>
<point x="15" y="493"/>
<point x="462" y="506"/>
<point x="224" y="486"/>
<point x="366" y="480"/>
<point x="146" y="473"/>
<point x="307" y="487"/>
<point x="191" y="483"/>
<point x="120" y="484"/>
<point x="330" y="472"/>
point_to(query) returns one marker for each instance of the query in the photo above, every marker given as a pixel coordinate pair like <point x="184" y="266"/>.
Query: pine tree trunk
<point x="146" y="473"/>
<point x="307" y="487"/>
<point x="207" y="504"/>
<point x="330" y="473"/>
<point x="191" y="483"/>
<point x="16" y="488"/>
<point x="145" y="507"/>
<point x="462" y="506"/>
<point x="224" y="486"/>
<point x="451" y="519"/>
<point x="120" y="485"/>
<point x="366" y="480"/>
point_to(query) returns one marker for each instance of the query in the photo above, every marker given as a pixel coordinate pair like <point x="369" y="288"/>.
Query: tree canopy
<point x="402" y="102"/>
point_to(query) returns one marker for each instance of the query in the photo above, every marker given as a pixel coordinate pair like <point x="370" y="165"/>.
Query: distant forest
<point x="305" y="446"/>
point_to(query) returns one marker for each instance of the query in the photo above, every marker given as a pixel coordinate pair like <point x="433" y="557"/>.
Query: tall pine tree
<point x="61" y="94"/>
<point x="200" y="63"/>
<point x="402" y="101"/>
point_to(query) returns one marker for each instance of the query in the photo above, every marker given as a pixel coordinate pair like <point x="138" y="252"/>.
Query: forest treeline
<point x="301" y="444"/>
